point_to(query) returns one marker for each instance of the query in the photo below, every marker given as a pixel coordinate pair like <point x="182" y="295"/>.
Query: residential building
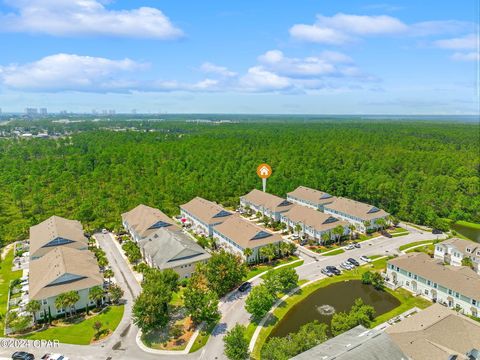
<point x="237" y="234"/>
<point x="363" y="216"/>
<point x="454" y="251"/>
<point x="457" y="287"/>
<point x="170" y="248"/>
<point x="56" y="232"/>
<point x="313" y="223"/>
<point x="203" y="215"/>
<point x="437" y="333"/>
<point x="312" y="198"/>
<point x="143" y="220"/>
<point x="356" y="343"/>
<point x="267" y="204"/>
<point x="61" y="270"/>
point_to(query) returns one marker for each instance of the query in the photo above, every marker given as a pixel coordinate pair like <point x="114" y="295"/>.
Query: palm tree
<point x="367" y="224"/>
<point x="381" y="223"/>
<point x="247" y="252"/>
<point x="33" y="306"/>
<point x="61" y="302"/>
<point x="268" y="252"/>
<point x="325" y="237"/>
<point x="108" y="274"/>
<point x="96" y="294"/>
<point x="72" y="299"/>
<point x="338" y="232"/>
<point x="298" y="228"/>
<point x="284" y="248"/>
<point x="352" y="228"/>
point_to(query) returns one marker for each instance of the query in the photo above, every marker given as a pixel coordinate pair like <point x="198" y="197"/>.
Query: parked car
<point x="324" y="271"/>
<point x="245" y="286"/>
<point x="357" y="245"/>
<point x="386" y="234"/>
<point x="353" y="261"/>
<point x="333" y="270"/>
<point x="347" y="266"/>
<point x="366" y="259"/>
<point x="350" y="247"/>
<point x="437" y="232"/>
<point x="295" y="237"/>
<point x="56" y="357"/>
<point x="104" y="231"/>
<point x="22" y="355"/>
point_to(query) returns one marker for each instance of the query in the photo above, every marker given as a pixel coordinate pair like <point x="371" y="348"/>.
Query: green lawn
<point x="469" y="224"/>
<point x="406" y="299"/>
<point x="398" y="230"/>
<point x="6" y="275"/>
<point x="257" y="269"/>
<point x="415" y="243"/>
<point x="426" y="249"/>
<point x="81" y="333"/>
<point x="177" y="298"/>
<point x="202" y="338"/>
<point x="334" y="252"/>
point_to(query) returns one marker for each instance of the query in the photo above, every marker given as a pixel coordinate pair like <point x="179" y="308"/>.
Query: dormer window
<point x="469" y="250"/>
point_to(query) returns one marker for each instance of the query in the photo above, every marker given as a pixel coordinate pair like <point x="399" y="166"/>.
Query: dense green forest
<point x="419" y="171"/>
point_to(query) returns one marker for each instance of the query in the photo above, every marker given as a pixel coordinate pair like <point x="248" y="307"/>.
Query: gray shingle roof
<point x="169" y="248"/>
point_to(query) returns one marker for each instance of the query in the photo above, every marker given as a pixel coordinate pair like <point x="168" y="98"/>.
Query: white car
<point x="366" y="259"/>
<point x="57" y="357"/>
<point x="346" y="265"/>
<point x="350" y="247"/>
<point x="104" y="231"/>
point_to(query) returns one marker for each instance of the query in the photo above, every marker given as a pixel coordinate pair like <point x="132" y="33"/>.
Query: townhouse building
<point x="203" y="215"/>
<point x="455" y="251"/>
<point x="452" y="286"/>
<point x="313" y="223"/>
<point x="363" y="216"/>
<point x="237" y="234"/>
<point x="144" y="220"/>
<point x="267" y="204"/>
<point x="56" y="232"/>
<point x="311" y="198"/>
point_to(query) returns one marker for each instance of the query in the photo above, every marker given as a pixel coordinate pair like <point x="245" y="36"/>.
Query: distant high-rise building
<point x="104" y="112"/>
<point x="134" y="111"/>
<point x="111" y="112"/>
<point x="31" y="111"/>
<point x="43" y="111"/>
<point x="94" y="112"/>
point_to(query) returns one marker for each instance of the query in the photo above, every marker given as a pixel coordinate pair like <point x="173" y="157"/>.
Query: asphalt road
<point x="122" y="345"/>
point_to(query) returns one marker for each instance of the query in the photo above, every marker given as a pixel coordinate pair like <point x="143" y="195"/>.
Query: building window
<point x="435" y="285"/>
<point x="449" y="292"/>
<point x="44" y="302"/>
<point x="415" y="277"/>
<point x="426" y="292"/>
<point x="407" y="283"/>
<point x="429" y="282"/>
<point x="457" y="295"/>
<point x="409" y="274"/>
<point x="474" y="302"/>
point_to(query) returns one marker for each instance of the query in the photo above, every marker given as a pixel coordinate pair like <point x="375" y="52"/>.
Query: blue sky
<point x="303" y="56"/>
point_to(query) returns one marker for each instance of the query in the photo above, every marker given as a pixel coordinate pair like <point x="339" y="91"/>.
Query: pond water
<point x="467" y="231"/>
<point x="323" y="303"/>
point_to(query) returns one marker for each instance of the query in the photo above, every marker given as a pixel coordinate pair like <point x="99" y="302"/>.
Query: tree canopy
<point x="420" y="171"/>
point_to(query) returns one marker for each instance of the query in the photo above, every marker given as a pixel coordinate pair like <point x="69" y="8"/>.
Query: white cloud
<point x="259" y="79"/>
<point x="342" y="28"/>
<point x="86" y="17"/>
<point x="326" y="63"/>
<point x="208" y="67"/>
<point x="62" y="72"/>
<point x="466" y="42"/>
<point x="469" y="56"/>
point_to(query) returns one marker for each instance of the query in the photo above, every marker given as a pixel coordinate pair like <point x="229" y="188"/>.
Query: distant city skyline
<point x="307" y="57"/>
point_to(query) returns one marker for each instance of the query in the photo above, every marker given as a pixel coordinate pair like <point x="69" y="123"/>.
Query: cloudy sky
<point x="243" y="56"/>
